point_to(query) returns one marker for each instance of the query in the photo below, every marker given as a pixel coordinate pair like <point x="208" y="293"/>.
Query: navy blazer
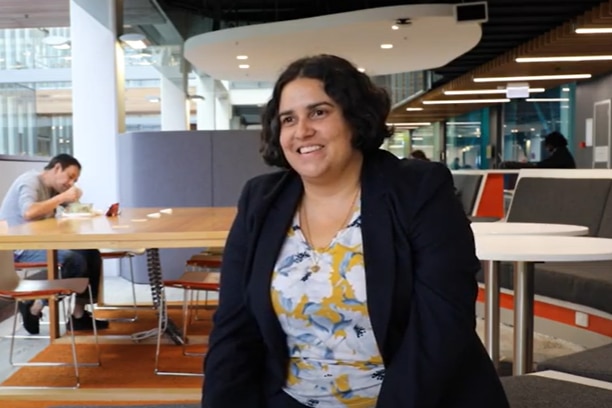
<point x="420" y="267"/>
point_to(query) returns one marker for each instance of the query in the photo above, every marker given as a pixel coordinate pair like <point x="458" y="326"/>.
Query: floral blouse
<point x="320" y="301"/>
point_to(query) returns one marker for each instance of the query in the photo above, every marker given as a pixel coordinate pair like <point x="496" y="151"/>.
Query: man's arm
<point x="36" y="210"/>
<point x="31" y="209"/>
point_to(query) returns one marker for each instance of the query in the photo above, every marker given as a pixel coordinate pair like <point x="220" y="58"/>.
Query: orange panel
<point x="559" y="314"/>
<point x="492" y="200"/>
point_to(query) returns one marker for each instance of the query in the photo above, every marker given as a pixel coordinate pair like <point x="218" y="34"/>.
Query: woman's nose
<point x="304" y="128"/>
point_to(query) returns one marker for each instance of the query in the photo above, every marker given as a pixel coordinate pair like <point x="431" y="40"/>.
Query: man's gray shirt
<point x="26" y="190"/>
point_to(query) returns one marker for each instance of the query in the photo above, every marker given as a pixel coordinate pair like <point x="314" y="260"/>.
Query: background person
<point x="559" y="155"/>
<point x="348" y="278"/>
<point x="35" y="195"/>
<point x="419" y="154"/>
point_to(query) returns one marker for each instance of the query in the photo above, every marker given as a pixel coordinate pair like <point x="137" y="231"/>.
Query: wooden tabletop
<point x="133" y="228"/>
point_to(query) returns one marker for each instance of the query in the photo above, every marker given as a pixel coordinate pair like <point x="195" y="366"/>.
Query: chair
<point x="26" y="267"/>
<point x="122" y="254"/>
<point x="14" y="288"/>
<point x="201" y="275"/>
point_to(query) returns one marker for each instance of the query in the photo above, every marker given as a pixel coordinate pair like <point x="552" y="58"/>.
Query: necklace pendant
<point x="315" y="268"/>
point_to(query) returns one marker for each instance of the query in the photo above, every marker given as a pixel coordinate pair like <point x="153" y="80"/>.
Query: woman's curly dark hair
<point x="364" y="105"/>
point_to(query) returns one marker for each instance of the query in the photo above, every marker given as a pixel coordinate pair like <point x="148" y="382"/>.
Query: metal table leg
<point x="157" y="294"/>
<point x="491" y="334"/>
<point x="523" y="318"/>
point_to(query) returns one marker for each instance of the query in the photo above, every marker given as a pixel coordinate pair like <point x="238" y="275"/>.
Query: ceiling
<point x="560" y="41"/>
<point x="512" y="23"/>
<point x="430" y="39"/>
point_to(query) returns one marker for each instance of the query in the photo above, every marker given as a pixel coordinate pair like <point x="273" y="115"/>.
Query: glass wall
<point x="466" y="140"/>
<point x="36" y="117"/>
<point x="424" y="138"/>
<point x="35" y="48"/>
<point x="528" y="121"/>
<point x="17" y="119"/>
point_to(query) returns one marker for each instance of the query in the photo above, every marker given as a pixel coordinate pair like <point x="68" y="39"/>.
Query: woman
<point x="348" y="278"/>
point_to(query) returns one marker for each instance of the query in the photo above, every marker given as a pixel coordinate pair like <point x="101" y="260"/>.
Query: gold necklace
<point x="306" y="231"/>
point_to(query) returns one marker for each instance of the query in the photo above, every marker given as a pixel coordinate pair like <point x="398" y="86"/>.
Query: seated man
<point x="35" y="195"/>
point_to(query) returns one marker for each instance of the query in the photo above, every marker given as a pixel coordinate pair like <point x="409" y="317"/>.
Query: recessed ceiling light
<point x="532" y="78"/>
<point x="386" y="46"/>
<point x="395" y="27"/>
<point x="360" y="69"/>
<point x="414" y="109"/>
<point x="242" y="57"/>
<point x="244" y="66"/>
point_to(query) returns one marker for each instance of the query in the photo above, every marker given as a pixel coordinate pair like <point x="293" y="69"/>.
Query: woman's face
<point x="314" y="135"/>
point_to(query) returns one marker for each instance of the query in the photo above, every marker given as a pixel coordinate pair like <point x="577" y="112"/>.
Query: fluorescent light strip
<point x="547" y="99"/>
<point x="601" y="30"/>
<point x="532" y="78"/>
<point x="572" y="58"/>
<point x="409" y="124"/>
<point x="414" y="109"/>
<point x="486" y="91"/>
<point x="450" y="102"/>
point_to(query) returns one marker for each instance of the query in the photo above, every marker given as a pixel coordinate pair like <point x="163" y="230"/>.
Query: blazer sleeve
<point x="441" y="327"/>
<point x="236" y="351"/>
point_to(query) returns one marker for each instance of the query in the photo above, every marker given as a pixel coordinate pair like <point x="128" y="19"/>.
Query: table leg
<point x="523" y="318"/>
<point x="158" y="296"/>
<point x="491" y="304"/>
<point x="53" y="273"/>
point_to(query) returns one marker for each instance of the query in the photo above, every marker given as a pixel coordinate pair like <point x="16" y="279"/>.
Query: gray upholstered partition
<point x="184" y="169"/>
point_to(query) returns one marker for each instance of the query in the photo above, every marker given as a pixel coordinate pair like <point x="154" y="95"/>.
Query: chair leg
<point x="163" y="310"/>
<point x="75" y="363"/>
<point x="134" y="301"/>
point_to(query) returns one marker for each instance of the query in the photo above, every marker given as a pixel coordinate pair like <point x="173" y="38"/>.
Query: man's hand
<point x="71" y="195"/>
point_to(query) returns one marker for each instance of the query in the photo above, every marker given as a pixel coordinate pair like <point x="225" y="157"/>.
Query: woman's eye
<point x="286" y="120"/>
<point x="318" y="113"/>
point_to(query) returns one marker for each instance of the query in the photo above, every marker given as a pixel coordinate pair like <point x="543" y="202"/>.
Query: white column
<point x="97" y="94"/>
<point x="223" y="107"/>
<point x="174" y="106"/>
<point x="205" y="87"/>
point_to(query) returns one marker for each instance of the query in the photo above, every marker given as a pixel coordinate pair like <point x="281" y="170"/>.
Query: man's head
<point x="62" y="172"/>
<point x="554" y="140"/>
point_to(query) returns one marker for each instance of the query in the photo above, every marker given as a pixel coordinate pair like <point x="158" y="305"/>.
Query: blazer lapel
<point x="274" y="218"/>
<point x="378" y="250"/>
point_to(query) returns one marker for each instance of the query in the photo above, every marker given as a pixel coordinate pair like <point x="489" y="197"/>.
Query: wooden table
<point x="134" y="228"/>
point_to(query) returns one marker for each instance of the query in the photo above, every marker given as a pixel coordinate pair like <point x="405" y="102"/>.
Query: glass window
<point x="528" y="121"/>
<point x="424" y="139"/>
<point x="465" y="142"/>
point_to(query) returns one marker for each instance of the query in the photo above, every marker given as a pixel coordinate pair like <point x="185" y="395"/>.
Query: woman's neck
<point x="341" y="186"/>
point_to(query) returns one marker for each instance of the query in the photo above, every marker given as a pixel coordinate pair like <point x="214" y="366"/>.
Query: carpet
<point x="147" y="320"/>
<point x="98" y="404"/>
<point x="131" y="406"/>
<point x="123" y="366"/>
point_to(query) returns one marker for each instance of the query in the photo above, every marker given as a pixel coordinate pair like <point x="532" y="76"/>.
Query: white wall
<point x="10" y="170"/>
